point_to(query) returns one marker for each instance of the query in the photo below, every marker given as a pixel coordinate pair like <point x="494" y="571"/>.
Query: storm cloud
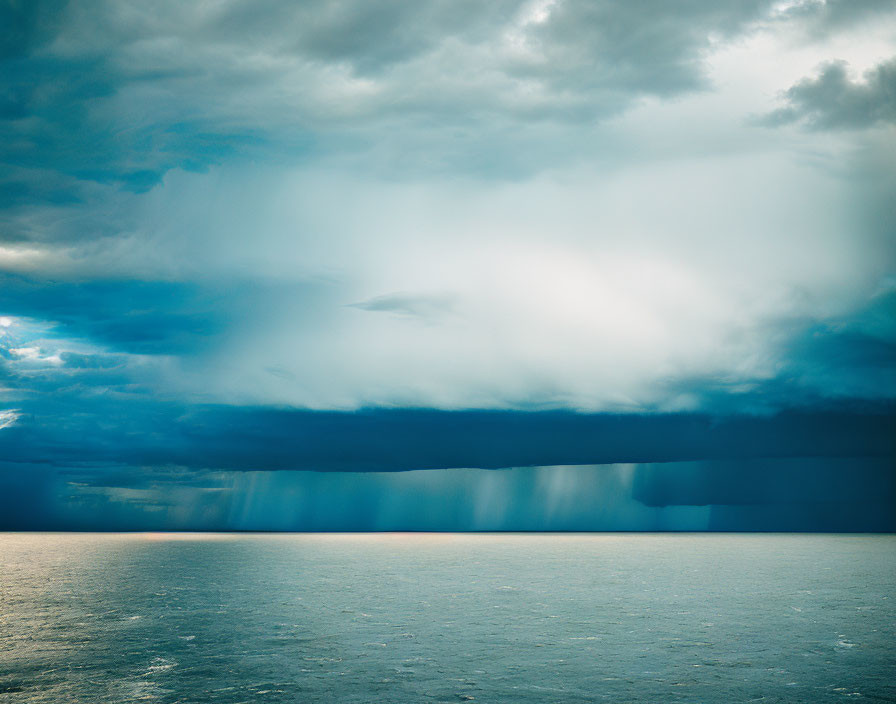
<point x="342" y="237"/>
<point x="832" y="100"/>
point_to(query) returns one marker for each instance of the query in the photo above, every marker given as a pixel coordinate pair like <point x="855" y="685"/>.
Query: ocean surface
<point x="447" y="618"/>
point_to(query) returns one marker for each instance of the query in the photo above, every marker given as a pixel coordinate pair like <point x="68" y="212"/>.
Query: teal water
<point x="447" y="618"/>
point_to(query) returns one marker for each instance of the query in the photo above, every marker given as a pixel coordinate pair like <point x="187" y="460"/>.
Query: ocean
<point x="190" y="618"/>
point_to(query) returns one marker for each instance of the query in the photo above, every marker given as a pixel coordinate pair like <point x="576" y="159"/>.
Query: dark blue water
<point x="447" y="618"/>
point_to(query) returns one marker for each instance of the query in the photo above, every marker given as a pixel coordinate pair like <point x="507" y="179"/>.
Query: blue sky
<point x="240" y="242"/>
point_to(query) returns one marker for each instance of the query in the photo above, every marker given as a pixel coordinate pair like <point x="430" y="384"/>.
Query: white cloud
<point x="590" y="290"/>
<point x="35" y="355"/>
<point x="8" y="417"/>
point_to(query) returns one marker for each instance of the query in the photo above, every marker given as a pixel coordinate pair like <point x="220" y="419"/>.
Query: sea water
<point x="447" y="618"/>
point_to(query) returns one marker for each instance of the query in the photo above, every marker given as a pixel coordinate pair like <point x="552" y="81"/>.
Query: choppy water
<point x="412" y="618"/>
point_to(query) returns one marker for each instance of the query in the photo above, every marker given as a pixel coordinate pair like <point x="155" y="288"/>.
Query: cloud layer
<point x="548" y="204"/>
<point x="220" y="221"/>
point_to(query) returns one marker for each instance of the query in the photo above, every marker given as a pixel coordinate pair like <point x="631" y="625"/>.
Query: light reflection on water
<point x="188" y="617"/>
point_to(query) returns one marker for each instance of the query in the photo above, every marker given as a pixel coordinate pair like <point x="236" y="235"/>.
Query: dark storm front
<point x="396" y="617"/>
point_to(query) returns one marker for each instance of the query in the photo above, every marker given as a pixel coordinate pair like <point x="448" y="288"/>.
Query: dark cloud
<point x="842" y="357"/>
<point x="845" y="356"/>
<point x="24" y="26"/>
<point x="411" y="305"/>
<point x="803" y="494"/>
<point x="765" y="481"/>
<point x="142" y="290"/>
<point x="779" y="494"/>
<point x="606" y="46"/>
<point x="132" y="316"/>
<point x="834" y="101"/>
<point x="369" y="38"/>
<point x="60" y="121"/>
<point x="146" y="432"/>
<point x="105" y="92"/>
<point x="141" y="317"/>
<point x="821" y="17"/>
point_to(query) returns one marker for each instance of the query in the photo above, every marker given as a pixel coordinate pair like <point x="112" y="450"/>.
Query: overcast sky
<point x="636" y="208"/>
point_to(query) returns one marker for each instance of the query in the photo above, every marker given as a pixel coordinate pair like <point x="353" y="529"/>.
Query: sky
<point x="549" y="265"/>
